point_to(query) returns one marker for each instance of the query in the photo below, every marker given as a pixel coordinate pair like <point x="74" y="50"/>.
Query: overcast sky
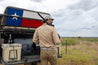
<point x="72" y="17"/>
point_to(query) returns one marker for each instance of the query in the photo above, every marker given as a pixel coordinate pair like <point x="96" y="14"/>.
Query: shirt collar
<point x="45" y="24"/>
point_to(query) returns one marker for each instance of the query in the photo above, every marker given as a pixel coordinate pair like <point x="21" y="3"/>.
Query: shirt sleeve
<point x="35" y="37"/>
<point x="55" y="37"/>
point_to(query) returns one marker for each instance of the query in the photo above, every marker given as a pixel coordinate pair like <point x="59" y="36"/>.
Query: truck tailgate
<point x="26" y="59"/>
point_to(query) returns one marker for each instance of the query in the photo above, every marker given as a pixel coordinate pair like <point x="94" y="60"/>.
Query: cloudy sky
<point x="72" y="17"/>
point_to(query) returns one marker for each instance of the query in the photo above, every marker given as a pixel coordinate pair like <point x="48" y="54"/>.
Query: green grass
<point x="85" y="53"/>
<point x="79" y="56"/>
<point x="69" y="41"/>
<point x="91" y="39"/>
<point x="77" y="40"/>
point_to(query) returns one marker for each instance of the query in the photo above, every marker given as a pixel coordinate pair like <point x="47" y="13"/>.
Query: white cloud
<point x="77" y="22"/>
<point x="43" y="5"/>
<point x="54" y="5"/>
<point x="72" y="17"/>
<point x="1" y="9"/>
<point x="85" y="5"/>
<point x="26" y="4"/>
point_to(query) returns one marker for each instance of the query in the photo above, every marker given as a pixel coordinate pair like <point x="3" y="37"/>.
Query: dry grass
<point x="81" y="54"/>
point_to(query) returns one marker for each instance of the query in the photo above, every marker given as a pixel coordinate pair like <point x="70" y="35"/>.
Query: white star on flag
<point x="15" y="15"/>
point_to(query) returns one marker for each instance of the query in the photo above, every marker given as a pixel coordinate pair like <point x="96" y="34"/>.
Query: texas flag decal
<point x="30" y="19"/>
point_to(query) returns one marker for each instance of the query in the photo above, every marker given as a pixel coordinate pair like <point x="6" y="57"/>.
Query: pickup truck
<point x="17" y="25"/>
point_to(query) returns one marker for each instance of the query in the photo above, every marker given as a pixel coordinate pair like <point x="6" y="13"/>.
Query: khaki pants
<point x="48" y="56"/>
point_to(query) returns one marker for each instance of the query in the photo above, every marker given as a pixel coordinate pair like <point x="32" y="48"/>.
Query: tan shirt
<point x="46" y="36"/>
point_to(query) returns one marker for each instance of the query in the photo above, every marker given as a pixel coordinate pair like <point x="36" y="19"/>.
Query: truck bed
<point x="26" y="59"/>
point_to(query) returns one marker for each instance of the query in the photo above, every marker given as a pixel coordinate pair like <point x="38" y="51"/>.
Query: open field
<point x="84" y="51"/>
<point x="79" y="40"/>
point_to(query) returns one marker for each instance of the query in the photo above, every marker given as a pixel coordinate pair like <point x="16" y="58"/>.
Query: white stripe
<point x="33" y="15"/>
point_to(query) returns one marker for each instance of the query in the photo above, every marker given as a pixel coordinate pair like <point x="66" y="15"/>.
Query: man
<point x="47" y="37"/>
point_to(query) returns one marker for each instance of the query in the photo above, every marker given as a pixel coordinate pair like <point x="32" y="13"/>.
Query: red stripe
<point x="31" y="23"/>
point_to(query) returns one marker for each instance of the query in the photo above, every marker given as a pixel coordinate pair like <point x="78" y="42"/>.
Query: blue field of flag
<point x="14" y="21"/>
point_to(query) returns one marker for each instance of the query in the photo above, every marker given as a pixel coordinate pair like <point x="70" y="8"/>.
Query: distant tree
<point x="79" y="37"/>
